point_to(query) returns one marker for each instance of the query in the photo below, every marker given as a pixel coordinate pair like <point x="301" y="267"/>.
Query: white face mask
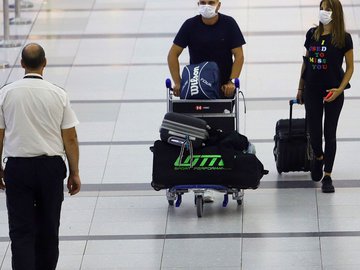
<point x="325" y="17"/>
<point x="207" y="11"/>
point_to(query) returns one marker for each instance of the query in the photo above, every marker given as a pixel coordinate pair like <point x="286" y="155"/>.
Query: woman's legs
<point x="332" y="114"/>
<point x="315" y="108"/>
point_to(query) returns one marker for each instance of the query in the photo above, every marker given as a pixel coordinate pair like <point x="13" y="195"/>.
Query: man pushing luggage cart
<point x="208" y="91"/>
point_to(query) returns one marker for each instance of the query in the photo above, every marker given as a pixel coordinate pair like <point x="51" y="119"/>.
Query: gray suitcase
<point x="177" y="128"/>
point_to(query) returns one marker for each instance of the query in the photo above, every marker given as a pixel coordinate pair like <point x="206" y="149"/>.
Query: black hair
<point x="33" y="56"/>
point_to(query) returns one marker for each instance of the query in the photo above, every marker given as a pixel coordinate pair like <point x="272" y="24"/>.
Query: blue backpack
<point x="200" y="81"/>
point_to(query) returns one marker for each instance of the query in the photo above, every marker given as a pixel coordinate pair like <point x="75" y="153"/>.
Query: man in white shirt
<point x="37" y="130"/>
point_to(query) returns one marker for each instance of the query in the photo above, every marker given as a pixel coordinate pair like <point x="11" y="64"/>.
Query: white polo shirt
<point x="33" y="113"/>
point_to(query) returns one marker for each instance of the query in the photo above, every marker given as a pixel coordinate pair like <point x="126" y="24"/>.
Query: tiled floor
<point x="110" y="55"/>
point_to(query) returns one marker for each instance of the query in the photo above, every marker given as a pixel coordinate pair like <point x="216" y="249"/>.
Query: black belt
<point x="36" y="157"/>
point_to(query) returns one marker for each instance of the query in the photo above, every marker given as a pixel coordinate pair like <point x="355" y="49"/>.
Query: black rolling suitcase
<point x="292" y="149"/>
<point x="178" y="128"/>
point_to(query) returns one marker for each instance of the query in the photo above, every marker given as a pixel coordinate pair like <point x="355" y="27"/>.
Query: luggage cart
<point x="220" y="113"/>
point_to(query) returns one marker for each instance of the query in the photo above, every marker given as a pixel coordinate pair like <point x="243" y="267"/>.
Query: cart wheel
<point x="239" y="202"/>
<point x="199" y="205"/>
<point x="155" y="186"/>
<point x="171" y="202"/>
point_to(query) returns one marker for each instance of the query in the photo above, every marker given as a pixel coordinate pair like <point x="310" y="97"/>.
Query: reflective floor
<point x="110" y="55"/>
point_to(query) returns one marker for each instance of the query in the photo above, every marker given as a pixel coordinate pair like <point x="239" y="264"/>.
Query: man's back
<point x="37" y="129"/>
<point x="33" y="112"/>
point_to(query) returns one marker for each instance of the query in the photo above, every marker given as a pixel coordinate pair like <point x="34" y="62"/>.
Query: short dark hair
<point x="33" y="56"/>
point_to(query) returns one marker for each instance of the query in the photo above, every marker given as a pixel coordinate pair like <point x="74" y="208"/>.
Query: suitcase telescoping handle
<point x="291" y="103"/>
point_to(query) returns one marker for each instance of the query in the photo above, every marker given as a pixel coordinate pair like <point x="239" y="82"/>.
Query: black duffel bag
<point x="204" y="167"/>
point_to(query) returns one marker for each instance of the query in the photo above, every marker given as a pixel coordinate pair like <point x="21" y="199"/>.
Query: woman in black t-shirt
<point x="322" y="84"/>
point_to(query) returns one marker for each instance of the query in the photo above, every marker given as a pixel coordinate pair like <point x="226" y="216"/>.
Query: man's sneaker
<point x="327" y="186"/>
<point x="317" y="170"/>
<point x="208" y="196"/>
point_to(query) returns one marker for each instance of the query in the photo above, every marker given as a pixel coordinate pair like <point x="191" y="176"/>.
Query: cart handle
<point x="168" y="83"/>
<point x="237" y="83"/>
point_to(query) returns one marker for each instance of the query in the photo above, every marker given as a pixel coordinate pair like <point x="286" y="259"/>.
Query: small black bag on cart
<point x="204" y="167"/>
<point x="292" y="150"/>
<point x="178" y="128"/>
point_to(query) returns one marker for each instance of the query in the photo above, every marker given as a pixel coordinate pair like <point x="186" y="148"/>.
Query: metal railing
<point x="7" y="42"/>
<point x="18" y="20"/>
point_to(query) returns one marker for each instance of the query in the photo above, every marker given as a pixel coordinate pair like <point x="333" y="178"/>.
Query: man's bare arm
<point x="238" y="62"/>
<point x="71" y="146"/>
<point x="174" y="66"/>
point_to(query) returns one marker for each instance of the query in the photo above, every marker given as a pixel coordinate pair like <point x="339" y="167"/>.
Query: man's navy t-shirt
<point x="211" y="42"/>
